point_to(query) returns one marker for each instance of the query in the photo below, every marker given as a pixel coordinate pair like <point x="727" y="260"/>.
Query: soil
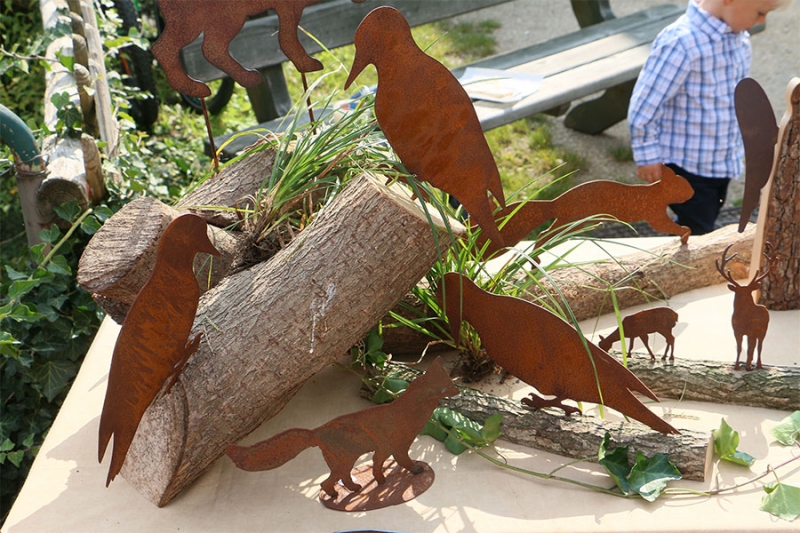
<point x="776" y="58"/>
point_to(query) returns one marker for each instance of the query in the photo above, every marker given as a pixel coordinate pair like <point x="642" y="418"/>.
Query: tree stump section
<point x="780" y="219"/>
<point x="269" y="328"/>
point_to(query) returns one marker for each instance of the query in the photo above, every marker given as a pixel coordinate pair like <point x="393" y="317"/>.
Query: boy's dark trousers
<point x="700" y="212"/>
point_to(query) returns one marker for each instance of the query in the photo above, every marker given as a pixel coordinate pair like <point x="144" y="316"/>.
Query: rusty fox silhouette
<point x="219" y="21"/>
<point x="387" y="430"/>
<point x="628" y="203"/>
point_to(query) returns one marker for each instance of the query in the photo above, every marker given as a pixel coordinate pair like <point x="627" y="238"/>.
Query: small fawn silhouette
<point x="219" y="21"/>
<point x="628" y="203"/>
<point x="749" y="318"/>
<point x="640" y="325"/>
<point x="387" y="430"/>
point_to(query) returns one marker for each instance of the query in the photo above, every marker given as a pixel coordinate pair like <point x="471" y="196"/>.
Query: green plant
<point x="621" y="153"/>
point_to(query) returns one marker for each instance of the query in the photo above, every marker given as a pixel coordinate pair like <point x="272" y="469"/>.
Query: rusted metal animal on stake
<point x="387" y="430"/>
<point x="544" y="351"/>
<point x="153" y="344"/>
<point x="749" y="319"/>
<point x="640" y="325"/>
<point x="628" y="203"/>
<point x="427" y="117"/>
<point x="760" y="134"/>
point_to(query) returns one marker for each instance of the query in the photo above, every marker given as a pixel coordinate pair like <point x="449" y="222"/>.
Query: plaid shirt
<point x="682" y="109"/>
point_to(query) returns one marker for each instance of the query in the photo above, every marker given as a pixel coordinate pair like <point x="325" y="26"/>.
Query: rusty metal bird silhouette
<point x="427" y="117"/>
<point x="759" y="134"/>
<point x="153" y="344"/>
<point x="545" y="352"/>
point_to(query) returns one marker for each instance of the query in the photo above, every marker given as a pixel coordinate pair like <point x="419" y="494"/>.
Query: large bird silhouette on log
<point x="153" y="344"/>
<point x="427" y="117"/>
<point x="545" y="352"/>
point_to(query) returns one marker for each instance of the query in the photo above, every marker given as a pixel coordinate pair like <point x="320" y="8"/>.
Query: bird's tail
<point x="273" y="452"/>
<point x="122" y="442"/>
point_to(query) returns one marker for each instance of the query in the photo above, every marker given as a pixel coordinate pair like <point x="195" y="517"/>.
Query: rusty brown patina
<point x="545" y="352"/>
<point x="427" y="117"/>
<point x="640" y="325"/>
<point x="759" y="133"/>
<point x="387" y="430"/>
<point x="153" y="344"/>
<point x="627" y="203"/>
<point x="219" y="21"/>
<point x="749" y="319"/>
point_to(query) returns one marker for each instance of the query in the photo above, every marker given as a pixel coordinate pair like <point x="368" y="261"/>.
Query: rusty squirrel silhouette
<point x="387" y="430"/>
<point x="628" y="203"/>
<point x="219" y="21"/>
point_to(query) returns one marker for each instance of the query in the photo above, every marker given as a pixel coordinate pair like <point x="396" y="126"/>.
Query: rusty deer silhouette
<point x="219" y="21"/>
<point x="749" y="318"/>
<point x="640" y="325"/>
<point x="628" y="203"/>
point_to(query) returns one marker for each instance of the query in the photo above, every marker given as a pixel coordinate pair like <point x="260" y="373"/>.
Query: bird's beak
<point x="360" y="62"/>
<point x="209" y="248"/>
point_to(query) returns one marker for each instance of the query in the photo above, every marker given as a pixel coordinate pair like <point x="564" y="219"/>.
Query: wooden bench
<point x="606" y="54"/>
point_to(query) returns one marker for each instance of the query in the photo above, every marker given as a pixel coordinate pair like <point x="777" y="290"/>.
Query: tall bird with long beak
<point x="427" y="117"/>
<point x="153" y="344"/>
<point x="545" y="352"/>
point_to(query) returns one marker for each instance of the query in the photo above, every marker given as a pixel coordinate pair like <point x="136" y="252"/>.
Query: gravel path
<point x="776" y="59"/>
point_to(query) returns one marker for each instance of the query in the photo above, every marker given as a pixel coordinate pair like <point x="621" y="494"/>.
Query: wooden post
<point x="269" y="328"/>
<point x="779" y="216"/>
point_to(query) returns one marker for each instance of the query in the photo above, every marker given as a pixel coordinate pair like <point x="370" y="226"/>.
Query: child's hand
<point x="649" y="173"/>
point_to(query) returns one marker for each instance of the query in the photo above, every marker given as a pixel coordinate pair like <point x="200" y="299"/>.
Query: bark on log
<point x="773" y="387"/>
<point x="578" y="436"/>
<point x="780" y="290"/>
<point x="267" y="329"/>
<point x="661" y="273"/>
<point x="120" y="257"/>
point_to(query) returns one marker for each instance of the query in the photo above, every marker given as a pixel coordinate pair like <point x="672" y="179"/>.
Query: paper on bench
<point x="502" y="86"/>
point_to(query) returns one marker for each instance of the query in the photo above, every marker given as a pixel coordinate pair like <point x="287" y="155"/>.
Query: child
<point x="682" y="113"/>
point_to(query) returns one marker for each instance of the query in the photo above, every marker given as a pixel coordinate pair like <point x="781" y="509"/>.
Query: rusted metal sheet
<point x="387" y="430"/>
<point x="153" y="344"/>
<point x="628" y="203"/>
<point x="749" y="318"/>
<point x="545" y="352"/>
<point x="427" y="117"/>
<point x="760" y="134"/>
<point x="219" y="21"/>
<point x="640" y="325"/>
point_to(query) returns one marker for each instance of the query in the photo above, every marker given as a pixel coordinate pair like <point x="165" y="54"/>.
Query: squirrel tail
<point x="273" y="452"/>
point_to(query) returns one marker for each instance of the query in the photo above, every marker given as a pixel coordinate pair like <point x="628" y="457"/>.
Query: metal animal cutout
<point x="749" y="319"/>
<point x="427" y="117"/>
<point x="219" y="21"/>
<point x="760" y="134"/>
<point x="640" y="325"/>
<point x="387" y="430"/>
<point x="153" y="344"/>
<point x="545" y="352"/>
<point x="628" y="203"/>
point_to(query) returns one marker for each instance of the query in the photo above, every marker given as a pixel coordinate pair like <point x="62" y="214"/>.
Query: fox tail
<point x="273" y="452"/>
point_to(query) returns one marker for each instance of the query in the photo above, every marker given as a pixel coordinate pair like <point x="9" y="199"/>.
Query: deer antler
<point x="721" y="267"/>
<point x="770" y="260"/>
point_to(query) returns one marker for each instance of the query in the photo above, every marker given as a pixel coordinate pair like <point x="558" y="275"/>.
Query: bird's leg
<point x="537" y="402"/>
<point x="190" y="348"/>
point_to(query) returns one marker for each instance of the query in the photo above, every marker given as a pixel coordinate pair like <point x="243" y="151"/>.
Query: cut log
<point x="637" y="278"/>
<point x="773" y="387"/>
<point x="577" y="436"/>
<point x="780" y="290"/>
<point x="269" y="328"/>
<point x="120" y="257"/>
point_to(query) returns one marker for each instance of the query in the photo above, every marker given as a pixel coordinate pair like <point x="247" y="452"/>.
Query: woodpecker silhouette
<point x="427" y="117"/>
<point x="545" y="352"/>
<point x="153" y="344"/>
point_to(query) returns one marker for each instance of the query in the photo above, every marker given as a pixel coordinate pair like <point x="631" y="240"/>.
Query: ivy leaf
<point x="69" y="211"/>
<point x="781" y="500"/>
<point x="7" y="445"/>
<point x="390" y="388"/>
<point x="59" y="265"/>
<point x="22" y="287"/>
<point x="726" y="442"/>
<point x="54" y="376"/>
<point x="616" y="464"/>
<point x="788" y="431"/>
<point x="15" y="275"/>
<point x="649" y="476"/>
<point x="467" y="430"/>
<point x="491" y="428"/>
<point x="50" y="235"/>
<point x="16" y="457"/>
